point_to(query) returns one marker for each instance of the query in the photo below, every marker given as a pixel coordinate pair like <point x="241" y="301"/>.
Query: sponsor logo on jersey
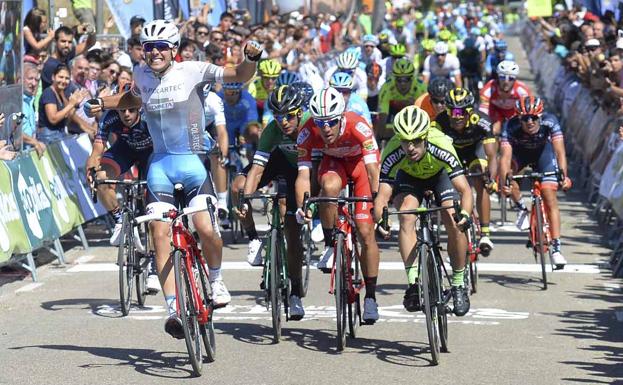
<point x="370" y="145"/>
<point x="302" y="152"/>
<point x="443" y="155"/>
<point x="303" y="135"/>
<point x="364" y="129"/>
<point x="391" y="160"/>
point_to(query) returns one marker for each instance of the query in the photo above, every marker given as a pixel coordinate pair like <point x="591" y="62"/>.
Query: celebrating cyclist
<point x="171" y="94"/>
<point x="420" y="158"/>
<point x="349" y="152"/>
<point x="474" y="143"/>
<point x="535" y="138"/>
<point x="276" y="156"/>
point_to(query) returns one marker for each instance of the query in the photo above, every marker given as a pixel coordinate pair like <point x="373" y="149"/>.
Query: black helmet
<point x="285" y="99"/>
<point x="439" y="87"/>
<point x="305" y="89"/>
<point x="459" y="98"/>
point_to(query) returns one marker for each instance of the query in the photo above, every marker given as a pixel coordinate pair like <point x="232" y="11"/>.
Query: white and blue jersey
<point x="357" y="105"/>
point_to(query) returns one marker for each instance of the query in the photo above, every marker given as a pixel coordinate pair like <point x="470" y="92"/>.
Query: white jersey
<point x="214" y="110"/>
<point x="450" y="68"/>
<point x="174" y="104"/>
<point x="359" y="80"/>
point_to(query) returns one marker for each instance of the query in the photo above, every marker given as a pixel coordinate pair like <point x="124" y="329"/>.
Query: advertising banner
<point x="13" y="238"/>
<point x="539" y="8"/>
<point x="123" y="10"/>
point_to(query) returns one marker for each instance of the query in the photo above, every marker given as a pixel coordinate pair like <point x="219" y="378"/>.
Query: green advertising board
<point x="13" y="238"/>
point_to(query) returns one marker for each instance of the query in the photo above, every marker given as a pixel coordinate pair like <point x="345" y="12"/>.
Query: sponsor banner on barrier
<point x="539" y="8"/>
<point x="34" y="202"/>
<point x="13" y="238"/>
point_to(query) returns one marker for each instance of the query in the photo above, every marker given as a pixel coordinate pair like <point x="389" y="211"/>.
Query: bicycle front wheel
<point x="206" y="328"/>
<point x="125" y="261"/>
<point x="339" y="290"/>
<point x="187" y="310"/>
<point x="309" y="247"/>
<point x="540" y="239"/>
<point x="429" y="285"/>
<point x="354" y="306"/>
<point x="275" y="285"/>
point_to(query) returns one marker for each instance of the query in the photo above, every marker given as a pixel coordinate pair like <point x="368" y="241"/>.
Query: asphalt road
<point x="67" y="328"/>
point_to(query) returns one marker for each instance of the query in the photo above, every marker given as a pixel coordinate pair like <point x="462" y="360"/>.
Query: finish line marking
<point x="482" y="267"/>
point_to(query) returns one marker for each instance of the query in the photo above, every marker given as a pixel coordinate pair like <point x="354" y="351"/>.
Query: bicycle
<point x="234" y="166"/>
<point x="192" y="288"/>
<point x="346" y="278"/>
<point x="431" y="271"/>
<point x="133" y="264"/>
<point x="539" y="237"/>
<point x="275" y="273"/>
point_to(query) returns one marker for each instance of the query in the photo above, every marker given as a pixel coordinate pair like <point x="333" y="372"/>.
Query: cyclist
<point x="275" y="157"/>
<point x="434" y="101"/>
<point x="262" y="86"/>
<point x="343" y="82"/>
<point x="447" y="37"/>
<point x="285" y="78"/>
<point x="500" y="50"/>
<point x="421" y="158"/>
<point x="426" y="49"/>
<point x="401" y="90"/>
<point x="442" y="64"/>
<point x="349" y="151"/>
<point x="535" y="138"/>
<point x="396" y="51"/>
<point x="470" y="58"/>
<point x="474" y="143"/>
<point x="348" y="61"/>
<point x="375" y="80"/>
<point x="498" y="96"/>
<point x="370" y="54"/>
<point x="170" y="92"/>
<point x="132" y="146"/>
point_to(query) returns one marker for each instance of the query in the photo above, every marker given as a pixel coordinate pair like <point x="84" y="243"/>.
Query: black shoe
<point x="460" y="299"/>
<point x="173" y="326"/>
<point x="411" y="300"/>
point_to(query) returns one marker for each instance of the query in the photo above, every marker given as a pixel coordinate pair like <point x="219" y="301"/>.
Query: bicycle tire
<point x="309" y="245"/>
<point x="472" y="261"/>
<point x="188" y="311"/>
<point x="207" y="329"/>
<point x="354" y="307"/>
<point x="540" y="246"/>
<point x="141" y="286"/>
<point x="125" y="262"/>
<point x="275" y="286"/>
<point x="430" y="307"/>
<point x="339" y="290"/>
<point x="442" y="313"/>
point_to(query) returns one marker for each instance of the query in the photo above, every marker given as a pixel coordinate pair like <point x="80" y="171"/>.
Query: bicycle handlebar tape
<point x="92" y="172"/>
<point x="457" y="210"/>
<point x="305" y="199"/>
<point x="240" y="199"/>
<point x="385" y="219"/>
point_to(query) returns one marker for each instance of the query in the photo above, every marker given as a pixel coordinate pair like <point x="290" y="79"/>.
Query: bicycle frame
<point x="345" y="226"/>
<point x="537" y="199"/>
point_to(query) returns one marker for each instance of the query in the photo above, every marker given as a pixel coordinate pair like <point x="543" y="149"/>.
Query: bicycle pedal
<point x="218" y="306"/>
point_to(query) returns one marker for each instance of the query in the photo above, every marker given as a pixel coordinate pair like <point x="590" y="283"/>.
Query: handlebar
<point x="339" y="200"/>
<point x="242" y="198"/>
<point x="171" y="214"/>
<point x="419" y="211"/>
<point x="535" y="176"/>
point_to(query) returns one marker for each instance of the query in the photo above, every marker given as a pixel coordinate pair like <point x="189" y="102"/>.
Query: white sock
<point x="222" y="199"/>
<point x="171" y="305"/>
<point x="215" y="274"/>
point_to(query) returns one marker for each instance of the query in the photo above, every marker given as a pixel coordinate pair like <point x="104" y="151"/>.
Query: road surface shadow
<point x="94" y="304"/>
<point x="515" y="282"/>
<point x="145" y="361"/>
<point x="249" y="333"/>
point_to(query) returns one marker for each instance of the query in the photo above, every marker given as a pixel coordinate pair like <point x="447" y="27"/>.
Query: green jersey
<point x="273" y="138"/>
<point x="440" y="155"/>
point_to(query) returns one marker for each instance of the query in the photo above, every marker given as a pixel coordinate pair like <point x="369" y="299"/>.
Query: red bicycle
<point x="192" y="287"/>
<point x="540" y="237"/>
<point x="346" y="278"/>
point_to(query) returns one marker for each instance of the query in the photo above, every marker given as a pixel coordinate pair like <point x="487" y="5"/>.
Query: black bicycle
<point x="434" y="294"/>
<point x="133" y="264"/>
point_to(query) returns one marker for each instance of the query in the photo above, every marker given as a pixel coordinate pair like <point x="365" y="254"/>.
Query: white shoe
<point x="296" y="308"/>
<point x="370" y="311"/>
<point x="116" y="234"/>
<point x="558" y="260"/>
<point x="138" y="245"/>
<point x="522" y="221"/>
<point x="153" y="284"/>
<point x="254" y="255"/>
<point x="317" y="235"/>
<point x="326" y="261"/>
<point x="220" y="295"/>
<point x="485" y="246"/>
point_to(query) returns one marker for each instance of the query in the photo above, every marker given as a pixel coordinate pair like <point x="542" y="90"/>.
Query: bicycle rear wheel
<point x="472" y="261"/>
<point x="339" y="290"/>
<point x="188" y="311"/>
<point x="275" y="285"/>
<point x="442" y="313"/>
<point x="207" y="328"/>
<point x="540" y="245"/>
<point x="430" y="303"/>
<point x="125" y="261"/>
<point x="141" y="282"/>
<point x="308" y="244"/>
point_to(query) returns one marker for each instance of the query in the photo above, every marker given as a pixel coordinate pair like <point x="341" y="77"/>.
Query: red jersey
<point x="355" y="142"/>
<point x="501" y="107"/>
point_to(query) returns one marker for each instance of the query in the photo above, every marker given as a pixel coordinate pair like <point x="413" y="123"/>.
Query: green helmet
<point x="270" y="68"/>
<point x="428" y="44"/>
<point x="398" y="50"/>
<point x="403" y="67"/>
<point x="411" y="123"/>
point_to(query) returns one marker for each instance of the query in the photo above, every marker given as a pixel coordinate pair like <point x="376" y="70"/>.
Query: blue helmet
<point x="306" y="90"/>
<point x="500" y="45"/>
<point x="287" y="77"/>
<point x="341" y="80"/>
<point x="370" y="39"/>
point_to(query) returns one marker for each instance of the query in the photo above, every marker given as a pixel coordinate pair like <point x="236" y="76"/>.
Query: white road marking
<point x="84" y="259"/>
<point x="482" y="267"/>
<point x="29" y="287"/>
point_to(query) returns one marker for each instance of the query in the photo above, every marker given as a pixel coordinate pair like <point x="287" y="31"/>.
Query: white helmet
<point x="508" y="68"/>
<point x="327" y="103"/>
<point x="441" y="48"/>
<point x="347" y="60"/>
<point x="160" y="30"/>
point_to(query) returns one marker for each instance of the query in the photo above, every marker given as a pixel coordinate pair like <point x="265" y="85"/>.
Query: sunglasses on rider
<point x="326" y="122"/>
<point x="527" y="118"/>
<point x="507" y="78"/>
<point x="437" y="101"/>
<point x="403" y="79"/>
<point x="457" y="112"/>
<point x="158" y="45"/>
<point x="289" y="116"/>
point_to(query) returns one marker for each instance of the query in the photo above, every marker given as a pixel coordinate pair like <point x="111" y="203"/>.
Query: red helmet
<point x="530" y="105"/>
<point x="373" y="69"/>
